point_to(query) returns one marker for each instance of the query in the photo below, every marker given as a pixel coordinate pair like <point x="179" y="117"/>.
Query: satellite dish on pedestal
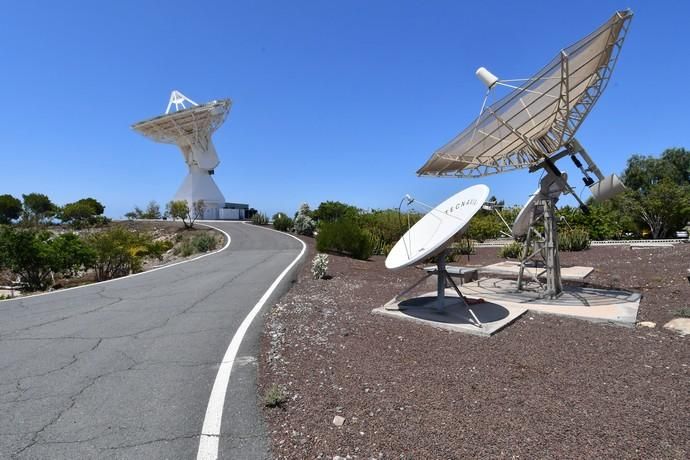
<point x="431" y="237"/>
<point x="191" y="128"/>
<point x="534" y="126"/>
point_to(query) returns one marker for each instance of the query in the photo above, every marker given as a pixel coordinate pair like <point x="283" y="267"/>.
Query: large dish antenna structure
<point x="190" y="126"/>
<point x="432" y="235"/>
<point x="534" y="125"/>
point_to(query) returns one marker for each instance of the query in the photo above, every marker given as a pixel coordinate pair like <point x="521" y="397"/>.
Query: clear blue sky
<point x="332" y="100"/>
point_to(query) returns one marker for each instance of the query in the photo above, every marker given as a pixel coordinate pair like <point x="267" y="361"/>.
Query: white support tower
<point x="191" y="128"/>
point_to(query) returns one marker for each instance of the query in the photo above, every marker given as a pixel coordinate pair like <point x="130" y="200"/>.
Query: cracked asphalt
<point x="125" y="369"/>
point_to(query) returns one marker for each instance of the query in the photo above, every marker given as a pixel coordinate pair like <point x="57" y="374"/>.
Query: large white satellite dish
<point x="433" y="232"/>
<point x="534" y="126"/>
<point x="191" y="128"/>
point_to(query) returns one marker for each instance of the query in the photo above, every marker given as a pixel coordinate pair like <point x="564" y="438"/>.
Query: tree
<point x="10" y="209"/>
<point x="643" y="172"/>
<point x="82" y="212"/>
<point x="659" y="190"/>
<point x="664" y="208"/>
<point x="330" y="211"/>
<point x="137" y="213"/>
<point x="36" y="255"/>
<point x="153" y="211"/>
<point x="179" y="209"/>
<point x="37" y="208"/>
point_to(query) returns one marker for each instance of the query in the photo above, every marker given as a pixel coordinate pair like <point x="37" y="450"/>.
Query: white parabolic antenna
<point x="533" y="127"/>
<point x="191" y="129"/>
<point x="433" y="232"/>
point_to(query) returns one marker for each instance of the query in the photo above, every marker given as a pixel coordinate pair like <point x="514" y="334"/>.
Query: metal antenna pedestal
<point x="443" y="281"/>
<point x="542" y="248"/>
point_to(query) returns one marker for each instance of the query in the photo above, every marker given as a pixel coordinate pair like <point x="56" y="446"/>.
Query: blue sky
<point x="331" y="100"/>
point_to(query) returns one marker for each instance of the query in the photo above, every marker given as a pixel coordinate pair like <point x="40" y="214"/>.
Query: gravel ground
<point x="545" y="387"/>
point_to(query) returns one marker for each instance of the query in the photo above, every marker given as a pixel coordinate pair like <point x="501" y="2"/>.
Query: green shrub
<point x="185" y="249"/>
<point x="345" y="236"/>
<point x="259" y="219"/>
<point x="274" y="396"/>
<point x="303" y="223"/>
<point x="204" y="242"/>
<point x="282" y="222"/>
<point x="576" y="239"/>
<point x="379" y="245"/>
<point x="119" y="252"/>
<point x="386" y="227"/>
<point x="511" y="251"/>
<point x="330" y="211"/>
<point x="464" y="246"/>
<point x="683" y="312"/>
<point x="35" y="255"/>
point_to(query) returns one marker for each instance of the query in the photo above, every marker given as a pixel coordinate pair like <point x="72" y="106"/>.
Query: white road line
<point x="114" y="280"/>
<point x="210" y="432"/>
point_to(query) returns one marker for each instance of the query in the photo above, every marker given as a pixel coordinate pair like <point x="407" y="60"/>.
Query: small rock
<point x="680" y="325"/>
<point x="650" y="324"/>
<point x="338" y="420"/>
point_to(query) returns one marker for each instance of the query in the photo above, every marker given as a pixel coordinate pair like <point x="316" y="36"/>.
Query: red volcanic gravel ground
<point x="544" y="387"/>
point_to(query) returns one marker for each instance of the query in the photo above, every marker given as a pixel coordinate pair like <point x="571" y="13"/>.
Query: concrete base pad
<point x="453" y="316"/>
<point x="598" y="305"/>
<point x="511" y="268"/>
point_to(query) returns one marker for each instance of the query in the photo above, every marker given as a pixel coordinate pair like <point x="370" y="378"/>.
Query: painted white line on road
<point x="210" y="432"/>
<point x="162" y="267"/>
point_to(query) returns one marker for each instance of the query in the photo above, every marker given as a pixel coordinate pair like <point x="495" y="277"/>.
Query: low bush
<point x="319" y="266"/>
<point x="259" y="219"/>
<point x="185" y="249"/>
<point x="204" y="242"/>
<point x="119" y="252"/>
<point x="386" y="227"/>
<point x="464" y="246"/>
<point x="511" y="251"/>
<point x="274" y="396"/>
<point x="345" y="236"/>
<point x="303" y="223"/>
<point x="576" y="239"/>
<point x="36" y="255"/>
<point x="282" y="222"/>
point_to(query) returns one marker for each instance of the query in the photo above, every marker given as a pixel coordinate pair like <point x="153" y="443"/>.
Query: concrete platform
<point x="454" y="316"/>
<point x="510" y="268"/>
<point x="598" y="305"/>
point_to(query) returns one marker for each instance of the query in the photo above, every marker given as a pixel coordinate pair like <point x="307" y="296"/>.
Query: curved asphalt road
<point x="125" y="369"/>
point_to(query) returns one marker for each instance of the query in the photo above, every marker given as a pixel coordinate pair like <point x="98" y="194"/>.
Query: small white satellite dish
<point x="522" y="221"/>
<point x="434" y="231"/>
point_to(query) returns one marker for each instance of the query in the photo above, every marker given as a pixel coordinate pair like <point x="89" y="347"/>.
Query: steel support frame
<point x="545" y="247"/>
<point x="443" y="281"/>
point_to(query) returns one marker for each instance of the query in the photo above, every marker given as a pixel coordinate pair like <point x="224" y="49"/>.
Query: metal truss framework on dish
<point x="539" y="117"/>
<point x="191" y="129"/>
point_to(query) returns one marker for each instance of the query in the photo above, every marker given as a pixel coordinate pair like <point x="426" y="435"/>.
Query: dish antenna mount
<point x="534" y="126"/>
<point x="431" y="236"/>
